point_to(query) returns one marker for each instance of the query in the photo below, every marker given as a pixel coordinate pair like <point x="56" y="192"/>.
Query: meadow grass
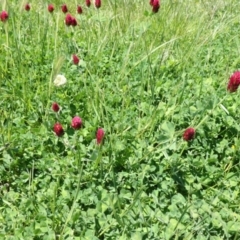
<point x="142" y="77"/>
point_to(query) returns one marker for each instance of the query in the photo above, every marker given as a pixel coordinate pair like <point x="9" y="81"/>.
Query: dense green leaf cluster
<point x="144" y="78"/>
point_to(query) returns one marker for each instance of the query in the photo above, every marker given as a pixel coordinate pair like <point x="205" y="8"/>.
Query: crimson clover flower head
<point x="97" y="3"/>
<point x="100" y="135"/>
<point x="189" y="134"/>
<point x="50" y="8"/>
<point x="64" y="8"/>
<point x="55" y="107"/>
<point x="88" y="3"/>
<point x="155" y="6"/>
<point x="74" y="22"/>
<point x="4" y="16"/>
<point x="68" y="19"/>
<point x="58" y="129"/>
<point x="79" y="9"/>
<point x="76" y="123"/>
<point x="27" y="7"/>
<point x="75" y="59"/>
<point x="234" y="82"/>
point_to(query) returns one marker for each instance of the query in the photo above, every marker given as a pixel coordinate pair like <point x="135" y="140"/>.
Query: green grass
<point x="142" y="77"/>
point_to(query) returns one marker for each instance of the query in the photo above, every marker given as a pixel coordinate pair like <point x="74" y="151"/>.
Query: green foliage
<point x="144" y="78"/>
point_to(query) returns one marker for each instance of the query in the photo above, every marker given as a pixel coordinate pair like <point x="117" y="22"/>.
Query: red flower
<point x="97" y="3"/>
<point x="4" y="16"/>
<point x="75" y="59"/>
<point x="76" y="123"/>
<point x="88" y="3"/>
<point x="55" y="107"/>
<point x="68" y="19"/>
<point x="189" y="134"/>
<point x="100" y="135"/>
<point x="155" y="6"/>
<point x="234" y="82"/>
<point x="50" y="8"/>
<point x="79" y="10"/>
<point x="74" y="22"/>
<point x="64" y="8"/>
<point x="27" y="7"/>
<point x="58" y="129"/>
